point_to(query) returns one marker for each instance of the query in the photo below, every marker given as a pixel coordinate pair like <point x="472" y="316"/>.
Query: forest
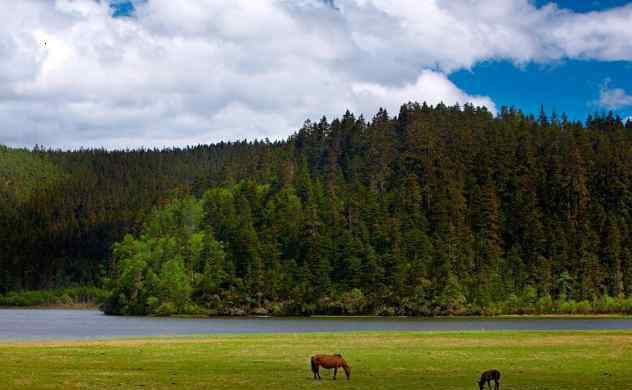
<point x="435" y="210"/>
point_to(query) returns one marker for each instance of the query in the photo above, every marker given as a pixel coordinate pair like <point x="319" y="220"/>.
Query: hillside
<point x="437" y="210"/>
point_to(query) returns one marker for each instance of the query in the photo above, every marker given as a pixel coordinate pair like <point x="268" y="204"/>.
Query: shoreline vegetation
<point x="605" y="306"/>
<point x="94" y="298"/>
<point x="384" y="360"/>
<point x="74" y="297"/>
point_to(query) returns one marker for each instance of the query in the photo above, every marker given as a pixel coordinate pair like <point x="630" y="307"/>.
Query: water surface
<point x="43" y="324"/>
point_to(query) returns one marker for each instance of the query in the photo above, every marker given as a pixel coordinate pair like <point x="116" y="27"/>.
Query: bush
<point x="512" y="305"/>
<point x="584" y="307"/>
<point x="193" y="309"/>
<point x="529" y="298"/>
<point x="608" y="305"/>
<point x="567" y="307"/>
<point x="66" y="296"/>
<point x="471" y="310"/>
<point x="493" y="309"/>
<point x="353" y="302"/>
<point x="545" y="305"/>
<point x="153" y="304"/>
<point x="260" y="311"/>
<point x="385" y="311"/>
<point x="278" y="309"/>
<point x="626" y="305"/>
<point x="64" y="300"/>
<point x="412" y="306"/>
<point x="166" y="309"/>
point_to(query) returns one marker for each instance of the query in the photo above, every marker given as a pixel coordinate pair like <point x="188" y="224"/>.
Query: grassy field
<point x="385" y="360"/>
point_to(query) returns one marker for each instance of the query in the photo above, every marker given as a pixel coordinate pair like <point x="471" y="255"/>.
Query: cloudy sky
<point x="123" y="73"/>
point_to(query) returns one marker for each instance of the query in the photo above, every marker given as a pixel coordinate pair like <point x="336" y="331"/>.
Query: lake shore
<point x="55" y="306"/>
<point x="380" y="360"/>
<point x="497" y="316"/>
<point x="95" y="306"/>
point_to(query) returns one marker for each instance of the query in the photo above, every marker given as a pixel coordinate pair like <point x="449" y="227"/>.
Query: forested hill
<point x="437" y="210"/>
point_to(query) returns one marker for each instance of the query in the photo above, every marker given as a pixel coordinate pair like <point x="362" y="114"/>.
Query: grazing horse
<point x="489" y="376"/>
<point x="329" y="361"/>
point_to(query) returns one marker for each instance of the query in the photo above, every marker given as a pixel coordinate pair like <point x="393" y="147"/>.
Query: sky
<point x="156" y="73"/>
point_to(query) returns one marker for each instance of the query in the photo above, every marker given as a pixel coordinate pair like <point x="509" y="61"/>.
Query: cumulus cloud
<point x="455" y="34"/>
<point x="431" y="87"/>
<point x="613" y="98"/>
<point x="207" y="70"/>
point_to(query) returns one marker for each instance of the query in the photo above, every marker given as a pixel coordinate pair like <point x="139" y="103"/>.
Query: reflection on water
<point x="85" y="324"/>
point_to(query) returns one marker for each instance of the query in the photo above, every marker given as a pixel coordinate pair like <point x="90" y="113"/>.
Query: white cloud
<point x="431" y="87"/>
<point x="454" y="34"/>
<point x="208" y="70"/>
<point x="613" y="98"/>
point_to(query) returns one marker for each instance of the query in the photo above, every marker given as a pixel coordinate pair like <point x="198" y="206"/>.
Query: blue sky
<point x="570" y="86"/>
<point x="164" y="73"/>
<point x="584" y="5"/>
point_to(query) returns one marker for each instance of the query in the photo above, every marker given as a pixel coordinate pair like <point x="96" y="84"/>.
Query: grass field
<point x="384" y="360"/>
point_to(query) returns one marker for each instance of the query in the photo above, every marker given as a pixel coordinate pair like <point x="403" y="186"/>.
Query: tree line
<point x="438" y="210"/>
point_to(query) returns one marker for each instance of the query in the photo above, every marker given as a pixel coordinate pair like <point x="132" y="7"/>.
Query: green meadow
<point x="379" y="360"/>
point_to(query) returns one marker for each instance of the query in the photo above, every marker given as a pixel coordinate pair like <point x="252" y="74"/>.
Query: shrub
<point x="567" y="307"/>
<point x="545" y="305"/>
<point x="153" y="304"/>
<point x="166" y="309"/>
<point x="583" y="307"/>
<point x="66" y="296"/>
<point x="65" y="300"/>
<point x="278" y="309"/>
<point x="353" y="302"/>
<point x="385" y="311"/>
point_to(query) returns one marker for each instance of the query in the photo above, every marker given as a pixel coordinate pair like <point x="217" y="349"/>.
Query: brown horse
<point x="329" y="361"/>
<point x="489" y="376"/>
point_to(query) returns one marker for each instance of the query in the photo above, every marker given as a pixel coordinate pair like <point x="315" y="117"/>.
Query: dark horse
<point x="329" y="361"/>
<point x="488" y="377"/>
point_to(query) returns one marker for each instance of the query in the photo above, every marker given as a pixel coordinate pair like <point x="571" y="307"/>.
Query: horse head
<point x="347" y="369"/>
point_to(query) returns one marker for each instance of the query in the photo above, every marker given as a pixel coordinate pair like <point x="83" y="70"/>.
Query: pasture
<point x="379" y="360"/>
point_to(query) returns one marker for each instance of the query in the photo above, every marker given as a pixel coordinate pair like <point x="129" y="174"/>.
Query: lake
<point x="44" y="324"/>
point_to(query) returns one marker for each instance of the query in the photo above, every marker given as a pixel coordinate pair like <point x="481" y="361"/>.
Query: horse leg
<point x="497" y="383"/>
<point x="335" y="372"/>
<point x="489" y="383"/>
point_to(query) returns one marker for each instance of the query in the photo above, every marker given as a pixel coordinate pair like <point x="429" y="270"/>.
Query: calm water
<point x="86" y="324"/>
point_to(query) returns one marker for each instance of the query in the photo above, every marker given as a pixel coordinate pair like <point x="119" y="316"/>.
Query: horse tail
<point x="313" y="361"/>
